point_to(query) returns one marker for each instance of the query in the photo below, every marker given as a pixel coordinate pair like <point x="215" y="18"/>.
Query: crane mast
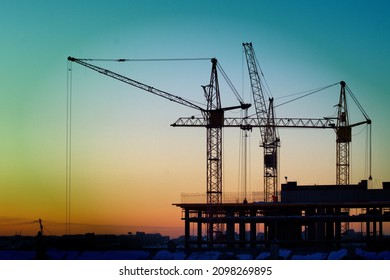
<point x="214" y="125"/>
<point x="214" y="138"/>
<point x="266" y="117"/>
<point x="343" y="140"/>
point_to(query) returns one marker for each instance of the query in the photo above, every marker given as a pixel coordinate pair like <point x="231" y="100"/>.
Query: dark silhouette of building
<point x="323" y="213"/>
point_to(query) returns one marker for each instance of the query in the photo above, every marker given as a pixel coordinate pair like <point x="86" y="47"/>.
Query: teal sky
<point x="125" y="154"/>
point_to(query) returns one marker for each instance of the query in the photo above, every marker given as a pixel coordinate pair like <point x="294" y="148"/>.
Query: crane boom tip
<point x="245" y="105"/>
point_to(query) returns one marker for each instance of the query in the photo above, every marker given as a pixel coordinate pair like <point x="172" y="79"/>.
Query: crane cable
<point x="370" y="154"/>
<point x="143" y="59"/>
<point x="268" y="91"/>
<point x="229" y="82"/>
<point x="357" y="103"/>
<point x="369" y="132"/>
<point x="68" y="141"/>
<point x="310" y="92"/>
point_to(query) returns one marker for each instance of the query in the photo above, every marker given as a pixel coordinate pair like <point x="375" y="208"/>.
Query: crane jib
<point x="137" y="84"/>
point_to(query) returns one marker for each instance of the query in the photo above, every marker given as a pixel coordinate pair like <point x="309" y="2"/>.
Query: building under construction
<point x="307" y="216"/>
<point x="302" y="215"/>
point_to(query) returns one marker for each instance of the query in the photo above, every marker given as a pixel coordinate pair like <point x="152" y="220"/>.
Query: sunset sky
<point x="128" y="164"/>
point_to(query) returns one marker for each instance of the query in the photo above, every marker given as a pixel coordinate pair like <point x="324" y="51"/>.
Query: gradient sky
<point x="128" y="164"/>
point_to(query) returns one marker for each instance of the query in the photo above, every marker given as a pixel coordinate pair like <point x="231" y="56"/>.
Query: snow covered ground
<point x="203" y="255"/>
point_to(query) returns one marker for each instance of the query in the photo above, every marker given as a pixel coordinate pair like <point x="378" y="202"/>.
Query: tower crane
<point x="213" y="116"/>
<point x="344" y="136"/>
<point x="269" y="135"/>
<point x="270" y="138"/>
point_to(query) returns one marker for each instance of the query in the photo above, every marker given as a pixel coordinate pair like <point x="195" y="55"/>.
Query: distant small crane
<point x="41" y="246"/>
<point x="40" y="225"/>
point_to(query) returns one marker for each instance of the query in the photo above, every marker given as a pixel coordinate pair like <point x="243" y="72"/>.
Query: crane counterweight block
<point x="216" y="118"/>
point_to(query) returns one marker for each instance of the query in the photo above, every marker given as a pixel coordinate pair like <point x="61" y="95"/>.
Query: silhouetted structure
<point x="41" y="244"/>
<point x="306" y="216"/>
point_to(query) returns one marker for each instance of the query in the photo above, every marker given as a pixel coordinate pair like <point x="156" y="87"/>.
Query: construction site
<point x="281" y="215"/>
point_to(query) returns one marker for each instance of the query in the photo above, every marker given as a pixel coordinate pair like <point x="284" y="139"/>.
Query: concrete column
<point x="330" y="227"/>
<point x="242" y="231"/>
<point x="320" y="227"/>
<point x="230" y="228"/>
<point x="211" y="235"/>
<point x="311" y="232"/>
<point x="253" y="232"/>
<point x="380" y="224"/>
<point x="337" y="228"/>
<point x="186" y="228"/>
<point x="368" y="226"/>
<point x="199" y="235"/>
